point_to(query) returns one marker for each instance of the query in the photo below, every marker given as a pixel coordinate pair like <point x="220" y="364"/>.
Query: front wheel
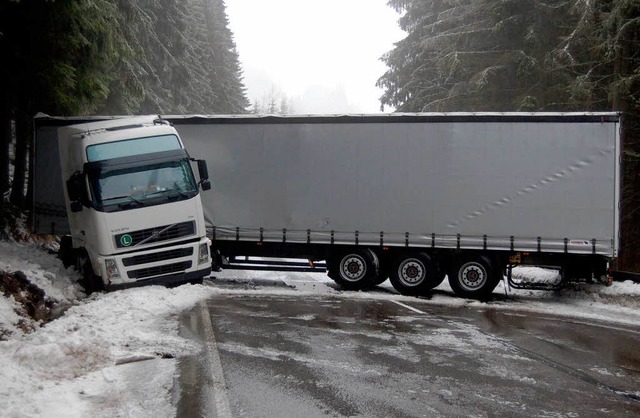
<point x="473" y="277"/>
<point x="90" y="281"/>
<point x="66" y="252"/>
<point x="355" y="270"/>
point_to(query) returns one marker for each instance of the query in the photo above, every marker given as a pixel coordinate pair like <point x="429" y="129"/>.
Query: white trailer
<point x="415" y="196"/>
<point x="125" y="193"/>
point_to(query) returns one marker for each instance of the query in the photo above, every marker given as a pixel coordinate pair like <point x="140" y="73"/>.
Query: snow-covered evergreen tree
<point x="473" y="55"/>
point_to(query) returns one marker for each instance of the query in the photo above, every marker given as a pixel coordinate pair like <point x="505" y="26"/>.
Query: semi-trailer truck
<point x="414" y="197"/>
<point x="124" y="197"/>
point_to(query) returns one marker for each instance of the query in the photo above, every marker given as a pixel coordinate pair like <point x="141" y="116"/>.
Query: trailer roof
<point x="573" y="117"/>
<point x="402" y="117"/>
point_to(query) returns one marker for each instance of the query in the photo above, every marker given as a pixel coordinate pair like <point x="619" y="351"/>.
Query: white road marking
<point x="409" y="307"/>
<point x="218" y="384"/>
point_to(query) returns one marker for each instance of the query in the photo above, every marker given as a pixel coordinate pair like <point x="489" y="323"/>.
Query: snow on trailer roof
<point x="109" y="125"/>
<point x="574" y="117"/>
<point x="479" y="117"/>
<point x="103" y="122"/>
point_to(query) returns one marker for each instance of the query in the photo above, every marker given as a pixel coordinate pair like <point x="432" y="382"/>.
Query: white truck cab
<point x="133" y="204"/>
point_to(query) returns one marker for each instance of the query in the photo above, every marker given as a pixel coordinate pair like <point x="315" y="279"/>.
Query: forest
<point x="88" y="57"/>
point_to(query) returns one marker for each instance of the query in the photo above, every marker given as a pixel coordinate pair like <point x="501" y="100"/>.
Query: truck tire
<point x="383" y="272"/>
<point x="383" y="275"/>
<point x="415" y="274"/>
<point x="354" y="270"/>
<point x="66" y="252"/>
<point x="89" y="281"/>
<point x="473" y="277"/>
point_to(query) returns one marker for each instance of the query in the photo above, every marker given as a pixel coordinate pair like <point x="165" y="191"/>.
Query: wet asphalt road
<point x="313" y="356"/>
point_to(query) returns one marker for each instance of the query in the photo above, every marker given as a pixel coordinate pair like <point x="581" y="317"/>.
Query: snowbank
<point x="109" y="354"/>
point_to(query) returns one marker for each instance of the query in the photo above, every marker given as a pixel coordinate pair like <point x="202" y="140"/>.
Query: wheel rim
<point x="353" y="268"/>
<point x="472" y="276"/>
<point x="411" y="272"/>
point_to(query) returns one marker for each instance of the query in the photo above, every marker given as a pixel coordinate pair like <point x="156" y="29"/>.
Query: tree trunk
<point x="29" y="170"/>
<point x="623" y="68"/>
<point x="5" y="142"/>
<point x="23" y="131"/>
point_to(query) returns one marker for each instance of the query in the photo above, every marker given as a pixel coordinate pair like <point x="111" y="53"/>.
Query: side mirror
<point x="77" y="191"/>
<point x="203" y="171"/>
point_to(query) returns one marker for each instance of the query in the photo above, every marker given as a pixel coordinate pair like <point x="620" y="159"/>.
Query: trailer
<point x="414" y="197"/>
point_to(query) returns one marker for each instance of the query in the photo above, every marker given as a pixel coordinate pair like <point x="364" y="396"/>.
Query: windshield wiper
<point x="170" y="193"/>
<point x="124" y="204"/>
<point x="178" y="192"/>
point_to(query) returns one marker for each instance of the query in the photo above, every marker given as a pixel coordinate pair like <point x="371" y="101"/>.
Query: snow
<point x="42" y="269"/>
<point x="117" y="354"/>
<point x="108" y="355"/>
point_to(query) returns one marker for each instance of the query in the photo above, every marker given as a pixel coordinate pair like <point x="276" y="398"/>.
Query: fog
<point x="324" y="57"/>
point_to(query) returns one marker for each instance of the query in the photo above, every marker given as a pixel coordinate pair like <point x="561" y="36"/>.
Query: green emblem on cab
<point x="126" y="240"/>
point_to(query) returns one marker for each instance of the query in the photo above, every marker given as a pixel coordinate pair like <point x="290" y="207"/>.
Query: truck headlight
<point x="203" y="254"/>
<point x="112" y="268"/>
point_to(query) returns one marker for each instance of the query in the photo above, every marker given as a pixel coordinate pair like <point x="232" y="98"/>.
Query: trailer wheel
<point x="473" y="277"/>
<point x="415" y="274"/>
<point x="90" y="281"/>
<point x="382" y="277"/>
<point x="355" y="270"/>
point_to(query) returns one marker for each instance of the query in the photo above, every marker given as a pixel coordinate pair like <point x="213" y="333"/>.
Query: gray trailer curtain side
<point x="513" y="182"/>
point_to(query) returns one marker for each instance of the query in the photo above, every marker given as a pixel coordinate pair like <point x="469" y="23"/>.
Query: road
<point x="327" y="355"/>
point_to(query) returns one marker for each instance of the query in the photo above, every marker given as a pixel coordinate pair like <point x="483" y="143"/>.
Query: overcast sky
<point x="324" y="55"/>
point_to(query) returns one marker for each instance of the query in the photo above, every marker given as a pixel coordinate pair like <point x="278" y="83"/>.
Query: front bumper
<point x="170" y="280"/>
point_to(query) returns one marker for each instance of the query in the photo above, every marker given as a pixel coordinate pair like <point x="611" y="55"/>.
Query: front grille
<point x="161" y="256"/>
<point x="159" y="270"/>
<point x="157" y="234"/>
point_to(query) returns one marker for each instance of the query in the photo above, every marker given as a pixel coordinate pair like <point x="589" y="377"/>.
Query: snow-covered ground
<point x="116" y="354"/>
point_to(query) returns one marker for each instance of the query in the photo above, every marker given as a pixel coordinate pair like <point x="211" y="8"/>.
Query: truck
<point x="123" y="195"/>
<point x="413" y="198"/>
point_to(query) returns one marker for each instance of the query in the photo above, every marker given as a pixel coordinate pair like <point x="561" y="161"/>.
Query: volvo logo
<point x="126" y="240"/>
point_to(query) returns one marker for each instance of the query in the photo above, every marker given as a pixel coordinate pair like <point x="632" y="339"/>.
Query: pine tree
<point x="225" y="72"/>
<point x="184" y="58"/>
<point x="473" y="55"/>
<point x="272" y="102"/>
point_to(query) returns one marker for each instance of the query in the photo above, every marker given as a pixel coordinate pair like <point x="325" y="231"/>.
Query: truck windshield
<point x="148" y="185"/>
